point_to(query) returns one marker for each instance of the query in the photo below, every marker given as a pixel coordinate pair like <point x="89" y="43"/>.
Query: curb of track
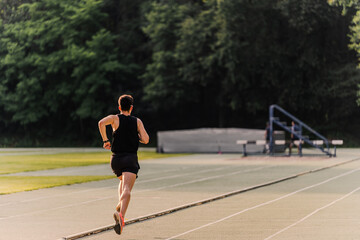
<point x="197" y="203"/>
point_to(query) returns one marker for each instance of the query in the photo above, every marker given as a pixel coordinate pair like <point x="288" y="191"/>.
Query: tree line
<point x="188" y="64"/>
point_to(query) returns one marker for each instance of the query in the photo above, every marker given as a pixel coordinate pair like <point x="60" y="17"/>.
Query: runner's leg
<point x="128" y="181"/>
<point x="118" y="207"/>
<point x="290" y="146"/>
<point x="119" y="222"/>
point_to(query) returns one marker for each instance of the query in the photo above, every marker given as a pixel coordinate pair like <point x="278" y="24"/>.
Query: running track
<point x="318" y="205"/>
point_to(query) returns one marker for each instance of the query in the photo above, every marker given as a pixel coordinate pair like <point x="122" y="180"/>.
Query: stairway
<point x="302" y="126"/>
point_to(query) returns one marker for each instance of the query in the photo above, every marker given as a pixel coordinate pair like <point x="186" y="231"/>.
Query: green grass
<point x="14" y="152"/>
<point x="12" y="184"/>
<point x="25" y="163"/>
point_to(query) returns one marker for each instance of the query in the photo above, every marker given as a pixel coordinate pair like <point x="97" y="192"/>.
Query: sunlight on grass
<point x="12" y="184"/>
<point x="24" y="163"/>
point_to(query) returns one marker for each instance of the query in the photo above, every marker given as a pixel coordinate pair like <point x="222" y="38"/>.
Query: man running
<point x="128" y="131"/>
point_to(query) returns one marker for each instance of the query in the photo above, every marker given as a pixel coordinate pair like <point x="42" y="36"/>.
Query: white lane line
<point x="56" y="195"/>
<point x="312" y="213"/>
<point x="181" y="175"/>
<point x="52" y="209"/>
<point x="108" y="187"/>
<point x="265" y="203"/>
<point x="163" y="171"/>
<point x="152" y="189"/>
<point x="207" y="178"/>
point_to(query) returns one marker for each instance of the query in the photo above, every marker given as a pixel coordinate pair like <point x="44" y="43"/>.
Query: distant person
<point x="267" y="138"/>
<point x="294" y="129"/>
<point x="128" y="131"/>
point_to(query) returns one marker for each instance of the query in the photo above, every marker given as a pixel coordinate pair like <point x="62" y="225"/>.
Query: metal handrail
<point x="299" y="122"/>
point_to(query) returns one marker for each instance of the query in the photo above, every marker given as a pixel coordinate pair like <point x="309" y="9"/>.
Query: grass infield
<point x="12" y="184"/>
<point x="25" y="163"/>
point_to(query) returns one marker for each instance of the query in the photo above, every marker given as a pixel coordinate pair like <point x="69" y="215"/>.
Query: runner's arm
<point x="143" y="136"/>
<point x="102" y="128"/>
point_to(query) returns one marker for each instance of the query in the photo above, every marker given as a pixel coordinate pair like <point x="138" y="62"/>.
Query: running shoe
<point x="119" y="222"/>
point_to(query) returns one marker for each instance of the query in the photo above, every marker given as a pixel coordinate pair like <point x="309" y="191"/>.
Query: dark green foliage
<point x="58" y="66"/>
<point x="63" y="55"/>
<point x="246" y="55"/>
<point x="63" y="64"/>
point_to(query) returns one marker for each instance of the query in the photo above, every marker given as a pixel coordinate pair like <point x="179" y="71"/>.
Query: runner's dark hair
<point x="126" y="101"/>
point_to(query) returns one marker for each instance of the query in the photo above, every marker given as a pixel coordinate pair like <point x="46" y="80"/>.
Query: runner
<point x="128" y="131"/>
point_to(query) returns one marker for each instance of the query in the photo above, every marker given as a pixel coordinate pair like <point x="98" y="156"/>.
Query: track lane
<point x="96" y="210"/>
<point x="218" y="220"/>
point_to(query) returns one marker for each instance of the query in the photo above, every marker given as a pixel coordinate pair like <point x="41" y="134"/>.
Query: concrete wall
<point x="210" y="140"/>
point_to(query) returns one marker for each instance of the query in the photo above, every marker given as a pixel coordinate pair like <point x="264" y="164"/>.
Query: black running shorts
<point x="124" y="162"/>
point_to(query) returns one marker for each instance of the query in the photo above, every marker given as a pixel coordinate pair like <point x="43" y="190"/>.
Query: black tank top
<point x="125" y="138"/>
